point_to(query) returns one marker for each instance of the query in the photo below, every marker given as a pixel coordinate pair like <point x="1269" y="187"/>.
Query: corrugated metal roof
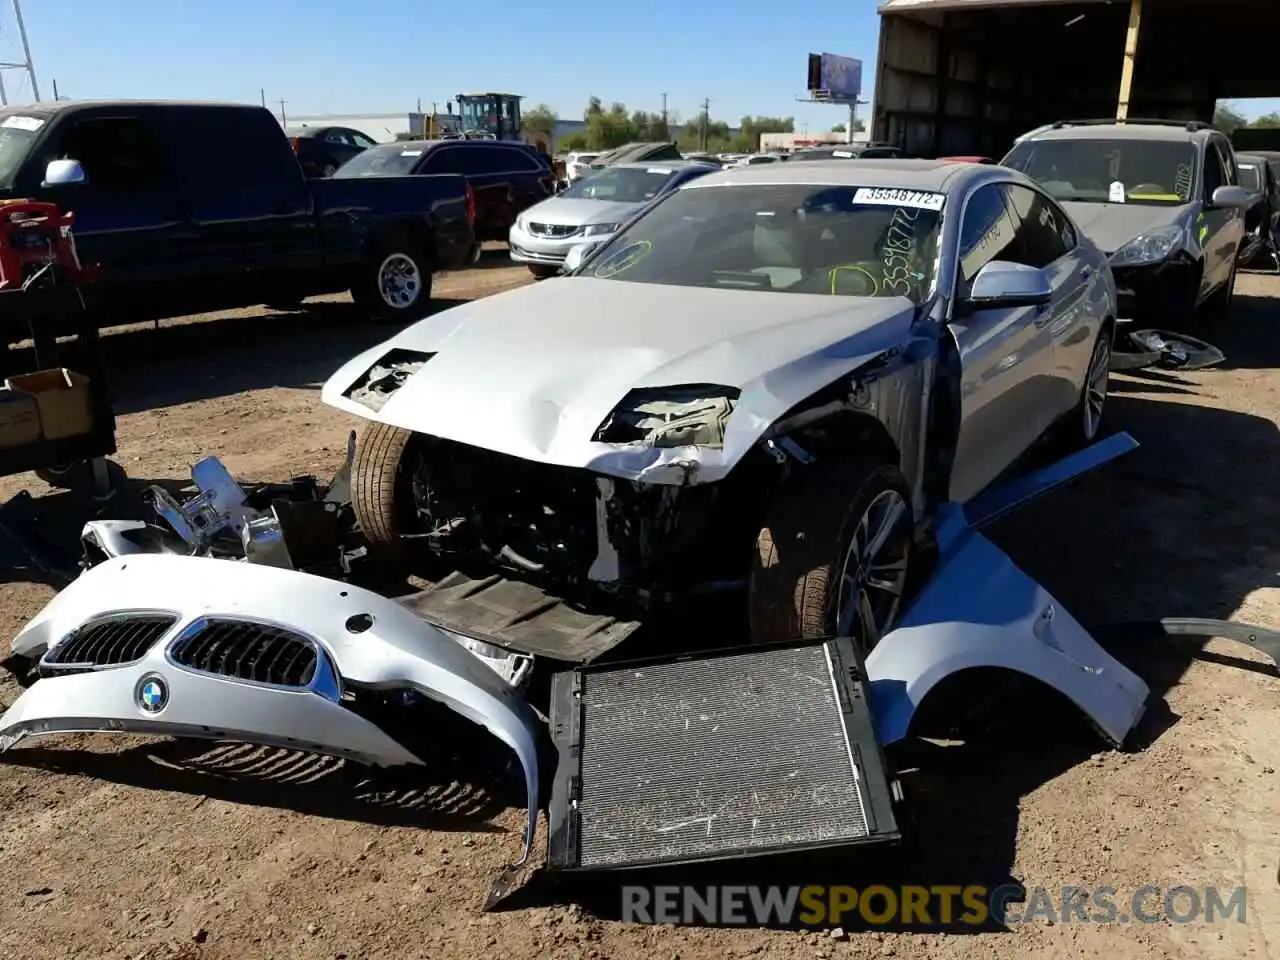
<point x="924" y="6"/>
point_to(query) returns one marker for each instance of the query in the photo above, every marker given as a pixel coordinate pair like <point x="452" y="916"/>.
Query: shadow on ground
<point x="284" y="779"/>
<point x="177" y="363"/>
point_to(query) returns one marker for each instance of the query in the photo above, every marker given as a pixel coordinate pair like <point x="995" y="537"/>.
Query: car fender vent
<point x="243" y="650"/>
<point x="110" y="641"/>
<point x="729" y="754"/>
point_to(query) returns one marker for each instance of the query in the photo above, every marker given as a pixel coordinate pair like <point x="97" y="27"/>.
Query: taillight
<point x="296" y="143"/>
<point x="471" y="204"/>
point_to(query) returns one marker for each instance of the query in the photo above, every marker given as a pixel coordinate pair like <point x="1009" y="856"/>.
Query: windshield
<point x="1250" y="177"/>
<point x="793" y="238"/>
<point x="391" y="161"/>
<point x="621" y="184"/>
<point x="17" y="134"/>
<point x="1156" y="172"/>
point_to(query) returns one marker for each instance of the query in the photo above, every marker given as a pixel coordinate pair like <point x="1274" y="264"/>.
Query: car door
<point x="250" y="206"/>
<point x="1005" y="352"/>
<point x="468" y="159"/>
<point x="1220" y="230"/>
<point x="1046" y="239"/>
<point x="128" y="213"/>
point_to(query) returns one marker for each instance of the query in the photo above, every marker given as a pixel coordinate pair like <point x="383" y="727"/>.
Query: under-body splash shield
<point x="980" y="610"/>
<point x="342" y="635"/>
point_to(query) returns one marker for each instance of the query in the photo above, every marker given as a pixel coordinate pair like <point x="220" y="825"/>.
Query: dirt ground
<point x="131" y="848"/>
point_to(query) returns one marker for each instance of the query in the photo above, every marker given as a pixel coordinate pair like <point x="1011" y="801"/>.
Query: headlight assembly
<point x="695" y="415"/>
<point x="599" y="229"/>
<point x="1150" y="247"/>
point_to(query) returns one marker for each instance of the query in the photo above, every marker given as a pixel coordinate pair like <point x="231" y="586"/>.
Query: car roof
<point x="430" y="144"/>
<point x="1172" y="130"/>
<point x="931" y="175"/>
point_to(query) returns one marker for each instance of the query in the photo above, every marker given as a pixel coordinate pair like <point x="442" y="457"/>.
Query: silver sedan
<point x="593" y="207"/>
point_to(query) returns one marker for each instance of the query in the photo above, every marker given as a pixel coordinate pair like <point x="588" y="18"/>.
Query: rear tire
<point x="395" y="282"/>
<point x="381" y="495"/>
<point x="808" y="564"/>
<point x="1085" y="420"/>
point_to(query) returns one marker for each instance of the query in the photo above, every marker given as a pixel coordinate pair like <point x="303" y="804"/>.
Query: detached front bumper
<point x="199" y="647"/>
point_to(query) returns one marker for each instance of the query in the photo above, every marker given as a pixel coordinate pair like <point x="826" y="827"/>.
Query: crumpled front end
<point x="199" y="647"/>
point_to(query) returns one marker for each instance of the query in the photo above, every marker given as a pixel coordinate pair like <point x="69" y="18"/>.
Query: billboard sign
<point x="839" y="78"/>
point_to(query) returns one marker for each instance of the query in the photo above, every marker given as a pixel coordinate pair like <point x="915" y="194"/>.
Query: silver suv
<point x="1163" y="200"/>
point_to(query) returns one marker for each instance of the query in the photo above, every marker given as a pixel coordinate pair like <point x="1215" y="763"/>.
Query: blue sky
<point x="366" y="56"/>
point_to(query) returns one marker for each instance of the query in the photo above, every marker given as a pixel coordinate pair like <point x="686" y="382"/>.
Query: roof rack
<point x="1191" y="126"/>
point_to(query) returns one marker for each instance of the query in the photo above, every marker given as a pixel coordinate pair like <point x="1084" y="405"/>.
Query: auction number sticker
<point x="30" y="124"/>
<point x="889" y="197"/>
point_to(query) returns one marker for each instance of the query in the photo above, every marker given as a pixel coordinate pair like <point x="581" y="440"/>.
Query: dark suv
<point x="506" y="177"/>
<point x="1163" y="200"/>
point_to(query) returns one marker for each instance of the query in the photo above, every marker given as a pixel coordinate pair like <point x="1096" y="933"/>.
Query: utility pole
<point x="55" y="89"/>
<point x="262" y="93"/>
<point x="26" y="63"/>
<point x="706" y="124"/>
<point x="283" y="122"/>
<point x="664" y="111"/>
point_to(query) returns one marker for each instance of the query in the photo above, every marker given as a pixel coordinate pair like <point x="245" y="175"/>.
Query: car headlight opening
<point x="666" y="417"/>
<point x="1153" y="246"/>
<point x="599" y="229"/>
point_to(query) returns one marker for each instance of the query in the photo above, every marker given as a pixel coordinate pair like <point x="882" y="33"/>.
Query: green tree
<point x="748" y="141"/>
<point x="840" y="128"/>
<point x="573" y="143"/>
<point x="1270" y="121"/>
<point x="1227" y="119"/>
<point x="540" y="123"/>
<point x="717" y="135"/>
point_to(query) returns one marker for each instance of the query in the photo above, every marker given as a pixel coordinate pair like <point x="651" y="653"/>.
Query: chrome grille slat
<point x="107" y="642"/>
<point x="243" y="650"/>
<point x="552" y="230"/>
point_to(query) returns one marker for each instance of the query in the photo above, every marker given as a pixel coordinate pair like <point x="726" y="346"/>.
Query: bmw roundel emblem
<point x="153" y="695"/>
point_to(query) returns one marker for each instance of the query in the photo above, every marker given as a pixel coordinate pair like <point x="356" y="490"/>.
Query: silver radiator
<point x="734" y="753"/>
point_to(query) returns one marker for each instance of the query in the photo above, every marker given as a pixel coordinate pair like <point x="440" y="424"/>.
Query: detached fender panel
<point x="363" y="638"/>
<point x="980" y="610"/>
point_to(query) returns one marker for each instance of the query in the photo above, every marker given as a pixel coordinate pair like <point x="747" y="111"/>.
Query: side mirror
<point x="577" y="254"/>
<point x="63" y="173"/>
<point x="1226" y="197"/>
<point x="1004" y="284"/>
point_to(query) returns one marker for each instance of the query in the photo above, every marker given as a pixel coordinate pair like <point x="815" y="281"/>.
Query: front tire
<point x="543" y="273"/>
<point x="395" y="283"/>
<point x="381" y="491"/>
<point x="834" y="555"/>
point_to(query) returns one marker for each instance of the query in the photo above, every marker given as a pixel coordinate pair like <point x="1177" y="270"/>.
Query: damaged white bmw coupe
<point x="764" y="387"/>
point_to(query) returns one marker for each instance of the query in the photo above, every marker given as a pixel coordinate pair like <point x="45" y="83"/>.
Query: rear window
<point x="1250" y="177"/>
<point x="393" y="160"/>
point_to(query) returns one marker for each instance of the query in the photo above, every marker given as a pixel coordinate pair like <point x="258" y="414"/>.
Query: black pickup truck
<point x="193" y="207"/>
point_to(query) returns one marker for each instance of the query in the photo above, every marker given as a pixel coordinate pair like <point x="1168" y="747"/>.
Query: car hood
<point x="534" y="372"/>
<point x="568" y="212"/>
<point x="1112" y="225"/>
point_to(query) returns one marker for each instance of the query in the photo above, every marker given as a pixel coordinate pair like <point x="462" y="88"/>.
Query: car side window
<point x="523" y="161"/>
<point x="116" y="153"/>
<point x="1039" y="236"/>
<point x="360" y="140"/>
<point x="988" y="231"/>
<point x="1214" y="175"/>
<point x="444" y="161"/>
<point x="337" y="136"/>
<point x="880" y="153"/>
<point x="1228" y="162"/>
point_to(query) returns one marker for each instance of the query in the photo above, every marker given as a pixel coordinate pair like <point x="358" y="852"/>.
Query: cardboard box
<point x="19" y="419"/>
<point x="62" y="398"/>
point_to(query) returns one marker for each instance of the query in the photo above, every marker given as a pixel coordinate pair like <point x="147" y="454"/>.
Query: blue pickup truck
<point x="193" y="207"/>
